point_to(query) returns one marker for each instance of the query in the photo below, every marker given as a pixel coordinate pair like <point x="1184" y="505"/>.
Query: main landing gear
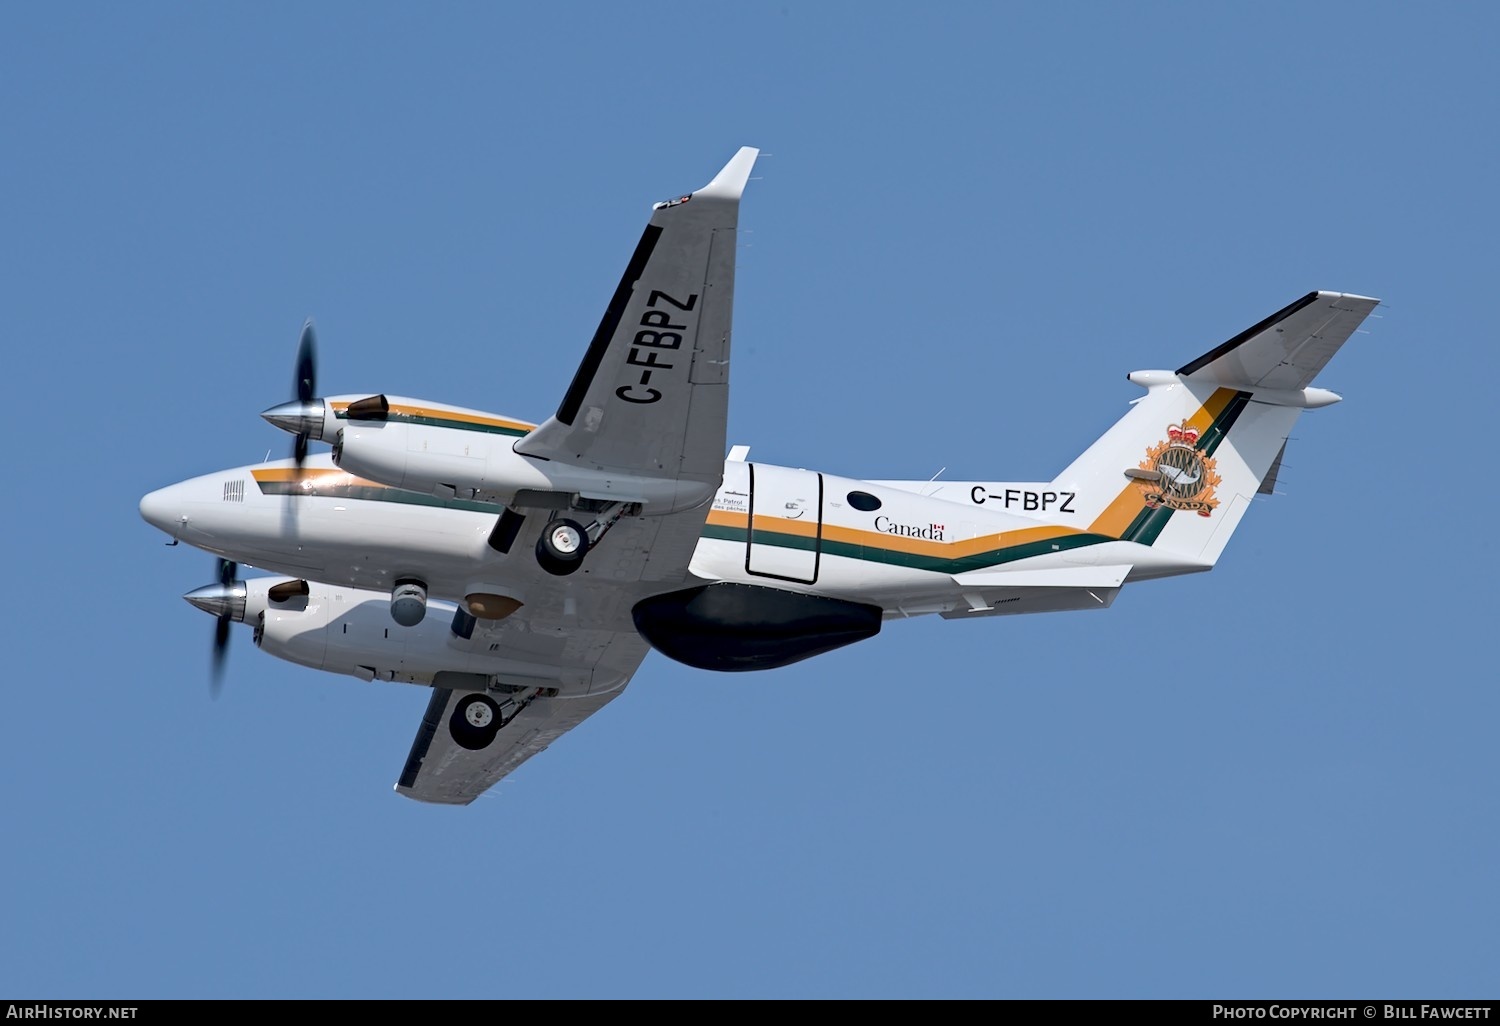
<point x="477" y="717"/>
<point x="475" y="722"/>
<point x="564" y="542"/>
<point x="562" y="546"/>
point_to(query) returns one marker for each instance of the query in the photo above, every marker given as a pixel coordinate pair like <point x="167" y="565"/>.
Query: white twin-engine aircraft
<point x="523" y="572"/>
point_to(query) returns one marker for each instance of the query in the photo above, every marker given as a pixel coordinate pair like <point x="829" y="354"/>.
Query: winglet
<point x="729" y="183"/>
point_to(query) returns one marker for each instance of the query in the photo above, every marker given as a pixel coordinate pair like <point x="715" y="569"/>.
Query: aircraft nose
<point x="163" y="509"/>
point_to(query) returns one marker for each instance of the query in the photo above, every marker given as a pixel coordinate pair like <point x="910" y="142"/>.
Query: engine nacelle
<point x="343" y="630"/>
<point x="452" y="452"/>
<point x="349" y="631"/>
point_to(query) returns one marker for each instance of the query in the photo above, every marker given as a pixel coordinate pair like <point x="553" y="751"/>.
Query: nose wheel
<point x="562" y="546"/>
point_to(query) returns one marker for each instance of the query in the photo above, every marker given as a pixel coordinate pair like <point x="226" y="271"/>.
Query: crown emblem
<point x="1184" y="434"/>
<point x="1177" y="475"/>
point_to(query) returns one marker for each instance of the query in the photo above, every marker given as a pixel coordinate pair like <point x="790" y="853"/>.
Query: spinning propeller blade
<point x="306" y="382"/>
<point x="225" y="602"/>
<point x="227" y="574"/>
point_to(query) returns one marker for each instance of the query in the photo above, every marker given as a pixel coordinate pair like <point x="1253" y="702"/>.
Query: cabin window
<point x="864" y="501"/>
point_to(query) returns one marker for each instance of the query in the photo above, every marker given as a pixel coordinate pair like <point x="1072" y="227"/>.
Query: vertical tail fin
<point x="1179" y="470"/>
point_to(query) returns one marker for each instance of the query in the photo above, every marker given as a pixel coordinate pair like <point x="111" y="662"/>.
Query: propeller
<point x="225" y="602"/>
<point x="227" y="573"/>
<point x="306" y="383"/>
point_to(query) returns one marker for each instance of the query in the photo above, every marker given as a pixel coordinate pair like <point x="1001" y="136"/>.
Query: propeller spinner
<point x="303" y="416"/>
<point x="225" y="601"/>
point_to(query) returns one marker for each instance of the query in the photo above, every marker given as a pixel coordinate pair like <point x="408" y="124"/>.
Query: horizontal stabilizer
<point x="1286" y="350"/>
<point x="1061" y="577"/>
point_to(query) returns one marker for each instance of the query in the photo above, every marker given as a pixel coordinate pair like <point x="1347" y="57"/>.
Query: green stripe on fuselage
<point x="914" y="560"/>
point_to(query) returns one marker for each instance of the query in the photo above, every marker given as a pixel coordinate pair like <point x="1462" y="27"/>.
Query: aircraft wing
<point x="441" y="771"/>
<point x="651" y="398"/>
<point x="652" y="393"/>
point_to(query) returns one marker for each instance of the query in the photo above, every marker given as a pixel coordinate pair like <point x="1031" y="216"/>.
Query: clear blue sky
<point x="972" y="221"/>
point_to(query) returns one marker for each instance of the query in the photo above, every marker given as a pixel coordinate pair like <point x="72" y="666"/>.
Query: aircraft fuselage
<point x="777" y="527"/>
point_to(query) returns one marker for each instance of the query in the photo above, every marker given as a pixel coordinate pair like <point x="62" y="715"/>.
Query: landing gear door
<point x="786" y="523"/>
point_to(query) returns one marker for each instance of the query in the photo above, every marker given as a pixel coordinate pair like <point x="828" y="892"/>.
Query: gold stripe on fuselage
<point x="1111" y="523"/>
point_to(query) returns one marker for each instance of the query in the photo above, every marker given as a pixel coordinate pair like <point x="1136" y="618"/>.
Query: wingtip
<point x="1348" y="297"/>
<point x="729" y="183"/>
